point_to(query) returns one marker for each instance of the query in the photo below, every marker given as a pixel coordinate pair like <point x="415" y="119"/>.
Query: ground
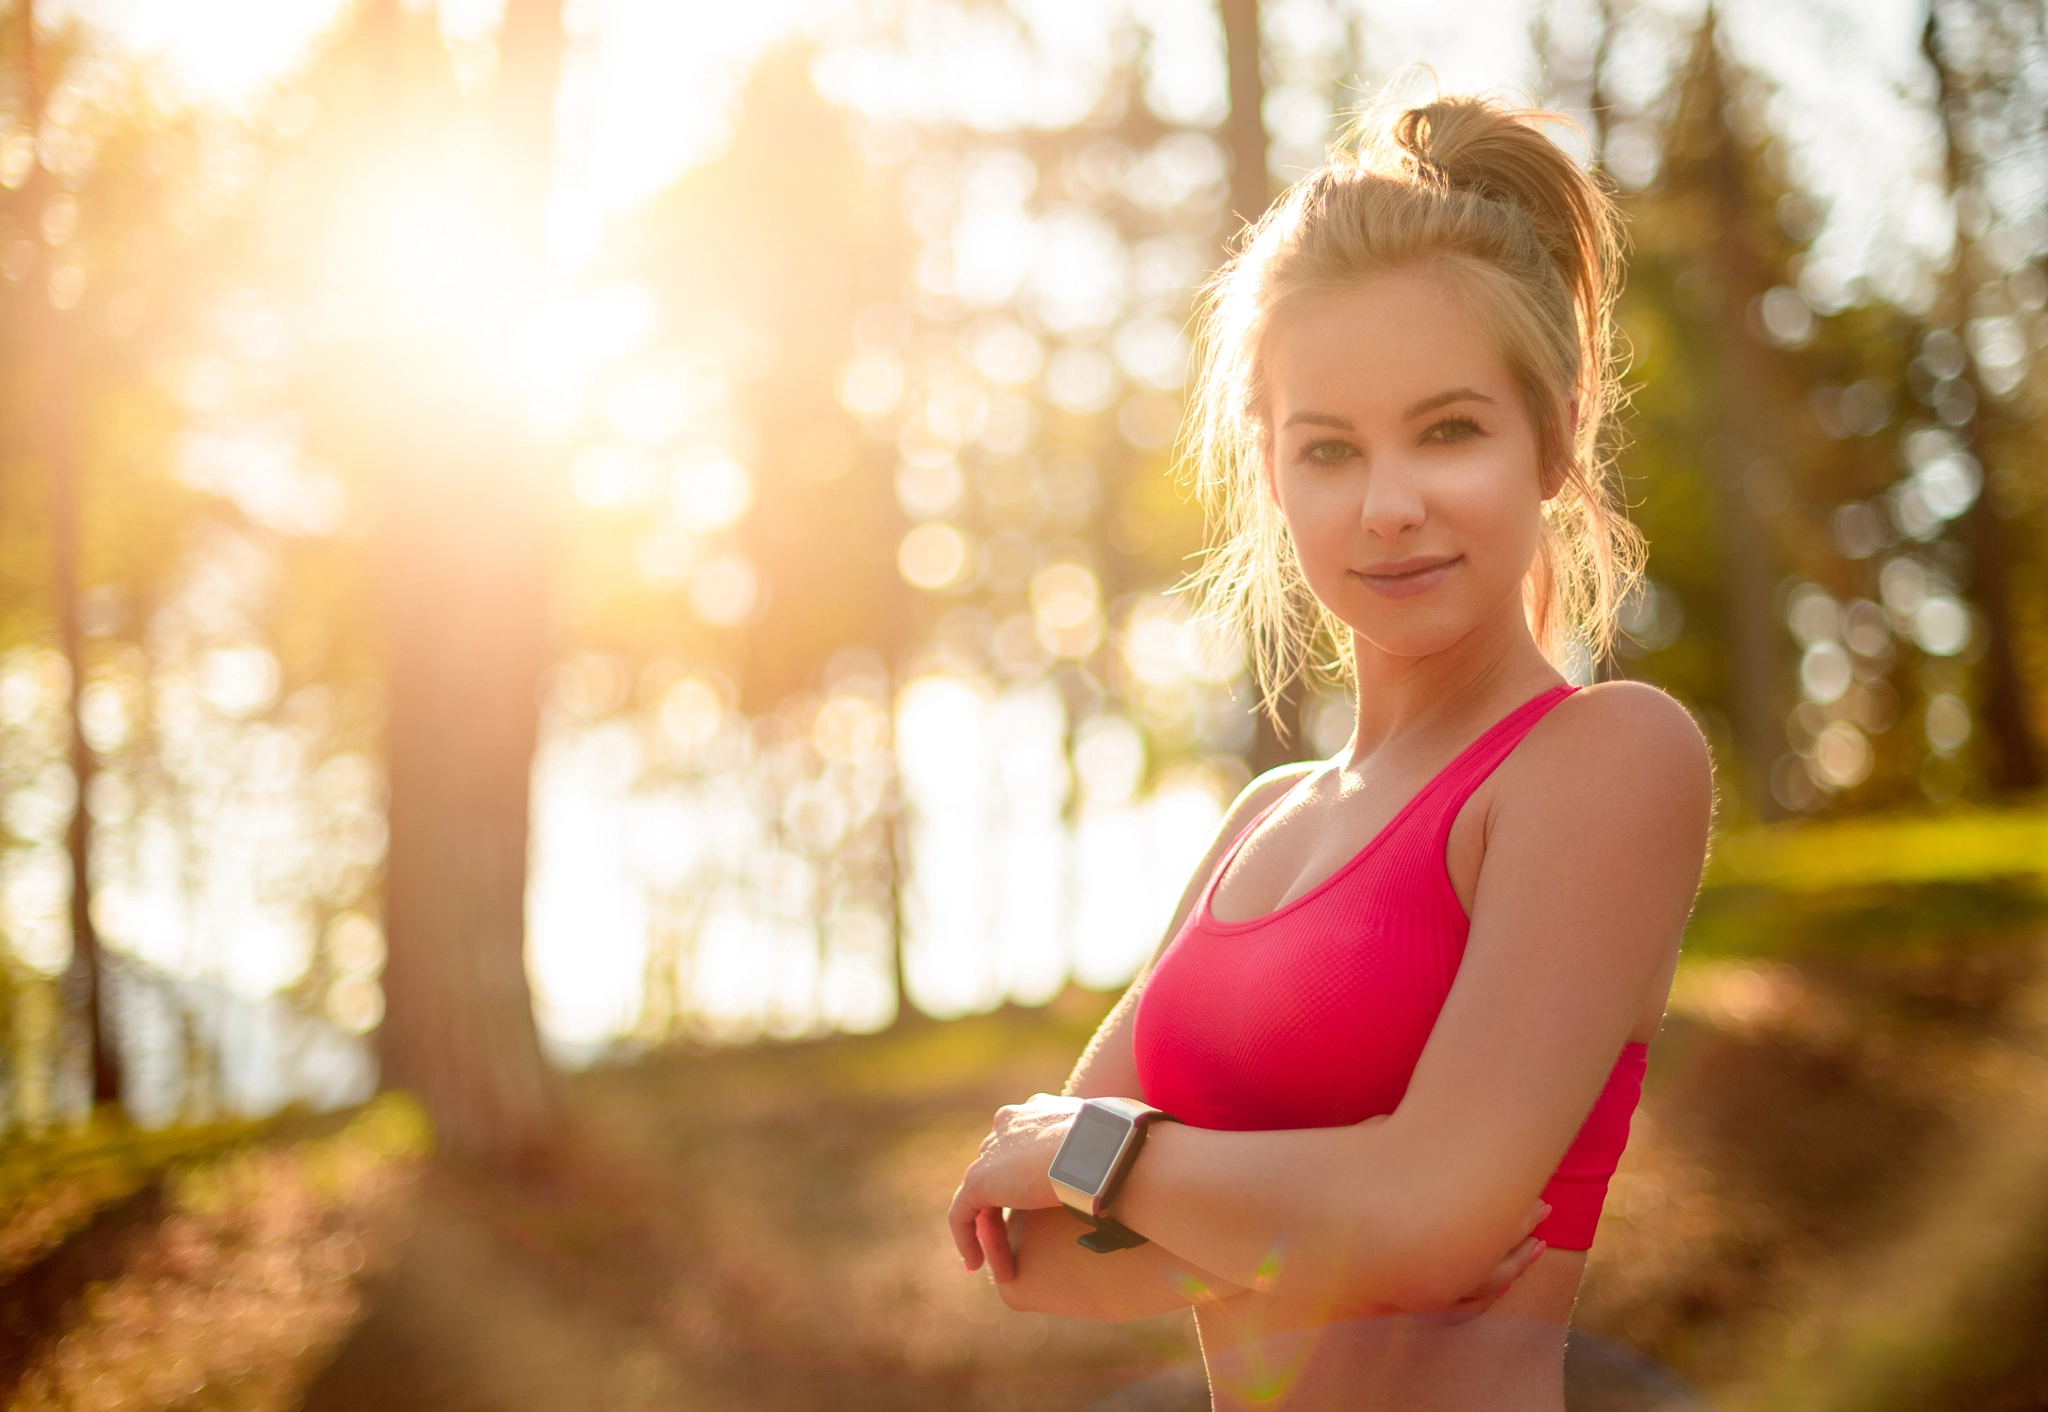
<point x="1832" y="1199"/>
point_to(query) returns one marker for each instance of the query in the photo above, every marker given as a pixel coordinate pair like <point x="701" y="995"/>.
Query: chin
<point x="1424" y="637"/>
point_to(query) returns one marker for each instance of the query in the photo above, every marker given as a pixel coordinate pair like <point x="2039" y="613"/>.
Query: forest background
<point x="547" y="556"/>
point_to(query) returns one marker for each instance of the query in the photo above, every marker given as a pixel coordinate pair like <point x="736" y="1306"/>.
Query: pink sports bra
<point x="1314" y="1015"/>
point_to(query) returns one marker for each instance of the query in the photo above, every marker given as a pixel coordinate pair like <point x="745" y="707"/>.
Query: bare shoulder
<point x="1626" y="744"/>
<point x="1265" y="790"/>
<point x="1251" y="801"/>
<point x="1623" y="723"/>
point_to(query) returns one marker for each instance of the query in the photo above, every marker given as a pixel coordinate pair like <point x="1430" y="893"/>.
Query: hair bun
<point x="1415" y="134"/>
<point x="1497" y="153"/>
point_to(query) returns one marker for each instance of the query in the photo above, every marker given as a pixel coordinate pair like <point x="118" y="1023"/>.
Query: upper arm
<point x="1594" y="848"/>
<point x="1108" y="1067"/>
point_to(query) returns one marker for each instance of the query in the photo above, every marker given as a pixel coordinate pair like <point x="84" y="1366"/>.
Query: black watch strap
<point x="1109" y="1235"/>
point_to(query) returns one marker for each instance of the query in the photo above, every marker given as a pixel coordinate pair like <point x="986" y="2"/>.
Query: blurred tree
<point x="59" y="409"/>
<point x="1870" y="580"/>
<point x="1718" y="439"/>
<point x="761" y="262"/>
<point x="1973" y="286"/>
<point x="116" y="253"/>
<point x="1585" y="76"/>
<point x="1054" y="266"/>
<point x="1706" y="156"/>
<point x="1280" y="735"/>
<point x="761" y="554"/>
<point x="465" y="561"/>
<point x="1244" y="130"/>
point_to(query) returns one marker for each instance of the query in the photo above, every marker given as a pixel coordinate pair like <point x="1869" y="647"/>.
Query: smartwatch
<point x="1091" y="1163"/>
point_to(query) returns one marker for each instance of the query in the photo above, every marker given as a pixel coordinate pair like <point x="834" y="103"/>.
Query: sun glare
<point x="213" y="51"/>
<point x="440" y="269"/>
<point x="441" y="259"/>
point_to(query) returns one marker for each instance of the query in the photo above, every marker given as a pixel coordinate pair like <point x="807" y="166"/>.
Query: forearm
<point x="1055" y="1275"/>
<point x="1345" y="1216"/>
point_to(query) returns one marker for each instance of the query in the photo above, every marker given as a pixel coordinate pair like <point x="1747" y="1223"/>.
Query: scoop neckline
<point x="1207" y="914"/>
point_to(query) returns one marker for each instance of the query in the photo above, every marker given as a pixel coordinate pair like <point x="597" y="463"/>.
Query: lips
<point x="1404" y="578"/>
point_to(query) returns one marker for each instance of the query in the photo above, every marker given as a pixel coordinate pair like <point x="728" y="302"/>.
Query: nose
<point x="1392" y="503"/>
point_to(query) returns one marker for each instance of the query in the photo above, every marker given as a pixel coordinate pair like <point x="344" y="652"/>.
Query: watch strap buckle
<point x="1109" y="1235"/>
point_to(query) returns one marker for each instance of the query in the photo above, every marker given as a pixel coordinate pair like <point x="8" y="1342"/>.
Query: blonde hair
<point x="1474" y="190"/>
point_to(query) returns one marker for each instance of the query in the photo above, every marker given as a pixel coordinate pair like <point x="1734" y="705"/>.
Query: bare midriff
<point x="1264" y="1352"/>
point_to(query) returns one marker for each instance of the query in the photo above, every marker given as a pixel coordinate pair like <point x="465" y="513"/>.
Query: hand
<point x="1501" y="1277"/>
<point x="1010" y="1172"/>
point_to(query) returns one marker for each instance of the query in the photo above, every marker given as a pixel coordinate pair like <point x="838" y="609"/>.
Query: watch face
<point x="1092" y="1144"/>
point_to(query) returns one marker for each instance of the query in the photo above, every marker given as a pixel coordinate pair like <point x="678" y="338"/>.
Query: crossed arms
<point x="1582" y="895"/>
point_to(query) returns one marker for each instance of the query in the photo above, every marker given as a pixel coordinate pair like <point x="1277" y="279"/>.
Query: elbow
<point x="1403" y="1278"/>
<point x="1431" y="1287"/>
<point x="1016" y="1295"/>
<point x="1038" y="1285"/>
<point x="1423" y="1258"/>
<point x="1023" y="1294"/>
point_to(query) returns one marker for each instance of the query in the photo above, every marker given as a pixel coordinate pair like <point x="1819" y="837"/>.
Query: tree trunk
<point x="465" y="611"/>
<point x="1244" y="131"/>
<point x="1748" y="562"/>
<point x="1251" y="191"/>
<point x="59" y="427"/>
<point x="466" y="564"/>
<point x="87" y="976"/>
<point x="2015" y="764"/>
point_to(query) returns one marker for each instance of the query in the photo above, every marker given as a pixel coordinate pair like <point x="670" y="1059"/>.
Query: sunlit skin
<point x="1404" y="457"/>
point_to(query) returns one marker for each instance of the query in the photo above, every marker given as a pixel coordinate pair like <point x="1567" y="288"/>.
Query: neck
<point x="1497" y="659"/>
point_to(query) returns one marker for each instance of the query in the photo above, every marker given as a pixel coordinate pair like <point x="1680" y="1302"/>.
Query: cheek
<point x="1321" y="515"/>
<point x="1499" y="506"/>
<point x="1499" y="514"/>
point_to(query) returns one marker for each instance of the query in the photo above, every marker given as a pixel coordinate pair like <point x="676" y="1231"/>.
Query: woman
<point x="1401" y="1015"/>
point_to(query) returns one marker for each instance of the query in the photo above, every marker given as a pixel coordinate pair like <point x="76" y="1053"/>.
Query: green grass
<point x="51" y="1184"/>
<point x="1962" y="846"/>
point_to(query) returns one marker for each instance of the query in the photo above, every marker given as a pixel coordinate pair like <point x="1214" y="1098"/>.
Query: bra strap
<point x="1450" y="790"/>
<point x="1223" y="864"/>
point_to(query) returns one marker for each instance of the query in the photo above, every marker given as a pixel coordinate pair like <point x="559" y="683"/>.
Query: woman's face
<point x="1404" y="459"/>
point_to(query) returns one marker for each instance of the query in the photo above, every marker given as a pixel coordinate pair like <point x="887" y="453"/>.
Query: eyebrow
<point x="1427" y="404"/>
<point x="1445" y="399"/>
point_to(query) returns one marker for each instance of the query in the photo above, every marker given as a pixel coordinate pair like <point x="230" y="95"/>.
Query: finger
<point x="1522" y="1257"/>
<point x="995" y="1240"/>
<point x="1511" y="1265"/>
<point x="960" y="1219"/>
<point x="1517" y="1263"/>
